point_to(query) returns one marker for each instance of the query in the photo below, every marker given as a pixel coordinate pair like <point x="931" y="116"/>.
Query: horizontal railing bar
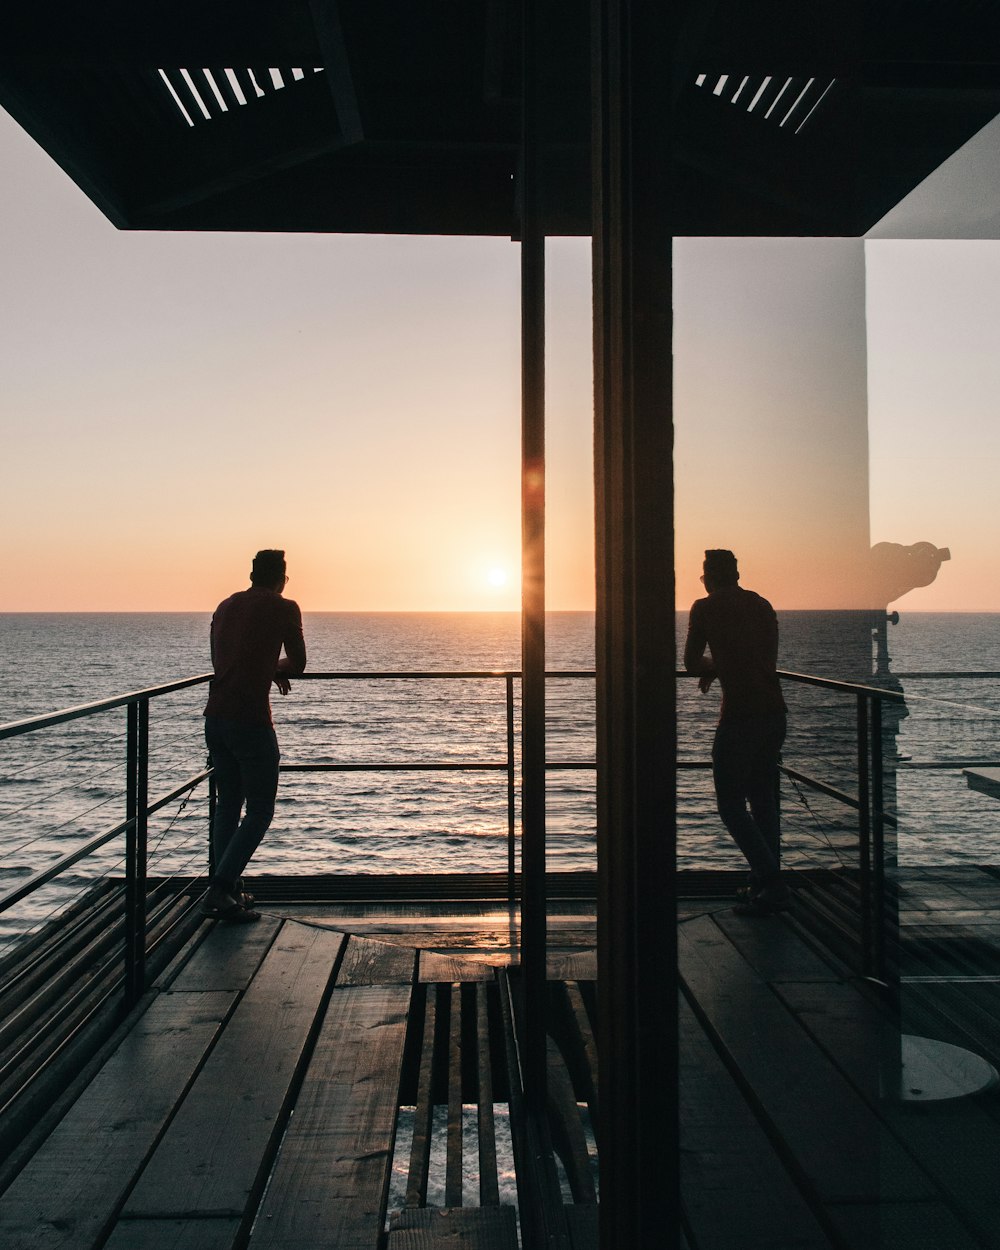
<point x="432" y="674"/>
<point x="190" y="784"/>
<point x="466" y="767"/>
<point x="14" y="728"/>
<point x="950" y="675"/>
<point x="832" y="793"/>
<point x="47" y="874"/>
<point x="821" y="786"/>
<point x="362" y="767"/>
<point x="67" y="861"/>
<point x="847" y="687"/>
<point x="942" y="764"/>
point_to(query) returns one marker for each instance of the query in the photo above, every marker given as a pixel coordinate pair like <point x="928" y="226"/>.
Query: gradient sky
<point x="169" y="403"/>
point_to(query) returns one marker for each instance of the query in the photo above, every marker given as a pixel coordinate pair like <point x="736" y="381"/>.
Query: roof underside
<point x="380" y="117"/>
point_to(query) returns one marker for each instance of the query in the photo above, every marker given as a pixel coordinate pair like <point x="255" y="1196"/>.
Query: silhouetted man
<point x="740" y="630"/>
<point x="249" y="630"/>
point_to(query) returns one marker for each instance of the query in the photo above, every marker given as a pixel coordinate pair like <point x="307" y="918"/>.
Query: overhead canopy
<point x="379" y="116"/>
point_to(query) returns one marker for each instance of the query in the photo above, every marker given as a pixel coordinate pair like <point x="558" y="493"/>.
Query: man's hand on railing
<point x="282" y="682"/>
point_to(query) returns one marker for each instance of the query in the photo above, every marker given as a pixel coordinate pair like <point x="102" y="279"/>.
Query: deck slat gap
<point x="453" y="1160"/>
<point x="416" y="1183"/>
<point x="489" y="1187"/>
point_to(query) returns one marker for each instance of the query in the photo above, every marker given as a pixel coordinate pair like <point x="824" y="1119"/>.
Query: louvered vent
<point x="201" y="94"/>
<point x="786" y="102"/>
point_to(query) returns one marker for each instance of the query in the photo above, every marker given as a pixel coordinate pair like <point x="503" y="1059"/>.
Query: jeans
<point x="745" y="768"/>
<point x="245" y="759"/>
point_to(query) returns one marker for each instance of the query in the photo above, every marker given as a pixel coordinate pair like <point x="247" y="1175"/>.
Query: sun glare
<point x="497" y="577"/>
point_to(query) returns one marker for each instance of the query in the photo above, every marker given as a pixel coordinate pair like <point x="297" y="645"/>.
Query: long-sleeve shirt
<point x="249" y="630"/>
<point x="740" y="629"/>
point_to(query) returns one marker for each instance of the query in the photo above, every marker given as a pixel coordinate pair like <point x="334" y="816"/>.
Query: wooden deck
<point x="339" y="1075"/>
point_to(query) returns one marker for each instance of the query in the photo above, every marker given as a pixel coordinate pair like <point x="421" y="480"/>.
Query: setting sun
<point x="497" y="577"/>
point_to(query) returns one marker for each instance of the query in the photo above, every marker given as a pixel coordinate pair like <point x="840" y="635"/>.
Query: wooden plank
<point x="367" y="962"/>
<point x="35" y="1057"/>
<point x="567" y="1129"/>
<point x="436" y="967"/>
<point x="439" y="1228"/>
<point x="71" y="1189"/>
<point x="586" y="1047"/>
<point x="845" y="1151"/>
<point x="331" y="1178"/>
<point x="540" y="1203"/>
<point x="240" y="1097"/>
<point x="957" y="1141"/>
<point x="904" y="1226"/>
<point x="63" y="959"/>
<point x="735" y="1190"/>
<point x="228" y="957"/>
<point x="38" y="944"/>
<point x="489" y="1183"/>
<point x="166" y="977"/>
<point x="420" y="1151"/>
<point x="574" y="966"/>
<point x="217" y="1234"/>
<point x="453" y="1142"/>
<point x="774" y="950"/>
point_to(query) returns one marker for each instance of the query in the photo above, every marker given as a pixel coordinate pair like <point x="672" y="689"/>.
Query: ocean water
<point x="63" y="785"/>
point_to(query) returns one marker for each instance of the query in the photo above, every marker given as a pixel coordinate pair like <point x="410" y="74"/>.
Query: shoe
<point x="764" y="904"/>
<point x="232" y="913"/>
<point x="238" y="914"/>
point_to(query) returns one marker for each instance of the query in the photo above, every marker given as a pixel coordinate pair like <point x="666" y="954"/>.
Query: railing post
<point x="136" y="813"/>
<point x="511" y="812"/>
<point x="864" y="837"/>
<point x="213" y="799"/>
<point x="533" y="890"/>
<point x="878" y="838"/>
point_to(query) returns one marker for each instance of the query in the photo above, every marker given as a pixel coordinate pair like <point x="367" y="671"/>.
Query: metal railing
<point x="868" y="802"/>
<point x="506" y="765"/>
<point x="134" y="826"/>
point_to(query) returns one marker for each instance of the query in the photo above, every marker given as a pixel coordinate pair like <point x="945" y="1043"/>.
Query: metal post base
<point x="932" y="1071"/>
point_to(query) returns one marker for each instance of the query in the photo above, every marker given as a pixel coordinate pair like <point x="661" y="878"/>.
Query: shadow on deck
<point x="340" y="1074"/>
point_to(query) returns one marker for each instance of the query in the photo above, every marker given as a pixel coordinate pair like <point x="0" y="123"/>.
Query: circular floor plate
<point x="933" y="1071"/>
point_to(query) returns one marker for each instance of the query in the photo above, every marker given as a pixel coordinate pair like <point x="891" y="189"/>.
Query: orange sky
<point x="170" y="403"/>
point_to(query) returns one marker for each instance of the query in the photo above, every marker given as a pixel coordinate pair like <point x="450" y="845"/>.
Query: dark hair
<point x="720" y="566"/>
<point x="268" y="567"/>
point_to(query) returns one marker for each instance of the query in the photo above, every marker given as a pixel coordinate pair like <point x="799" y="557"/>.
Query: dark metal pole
<point x="131" y="806"/>
<point x="533" y="927"/>
<point x="213" y="798"/>
<point x="511" y="803"/>
<point x="878" y="839"/>
<point x="864" y="838"/>
<point x="136" y="805"/>
<point x="633" y="46"/>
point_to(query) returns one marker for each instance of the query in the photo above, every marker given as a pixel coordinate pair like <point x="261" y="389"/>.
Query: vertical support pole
<point x="533" y="900"/>
<point x="864" y="839"/>
<point x="632" y="50"/>
<point x="213" y="799"/>
<point x="136" y="813"/>
<point x="878" y="840"/>
<point x="511" y="806"/>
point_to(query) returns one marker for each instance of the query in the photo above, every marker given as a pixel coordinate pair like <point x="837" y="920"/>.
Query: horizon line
<point x="446" y="611"/>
